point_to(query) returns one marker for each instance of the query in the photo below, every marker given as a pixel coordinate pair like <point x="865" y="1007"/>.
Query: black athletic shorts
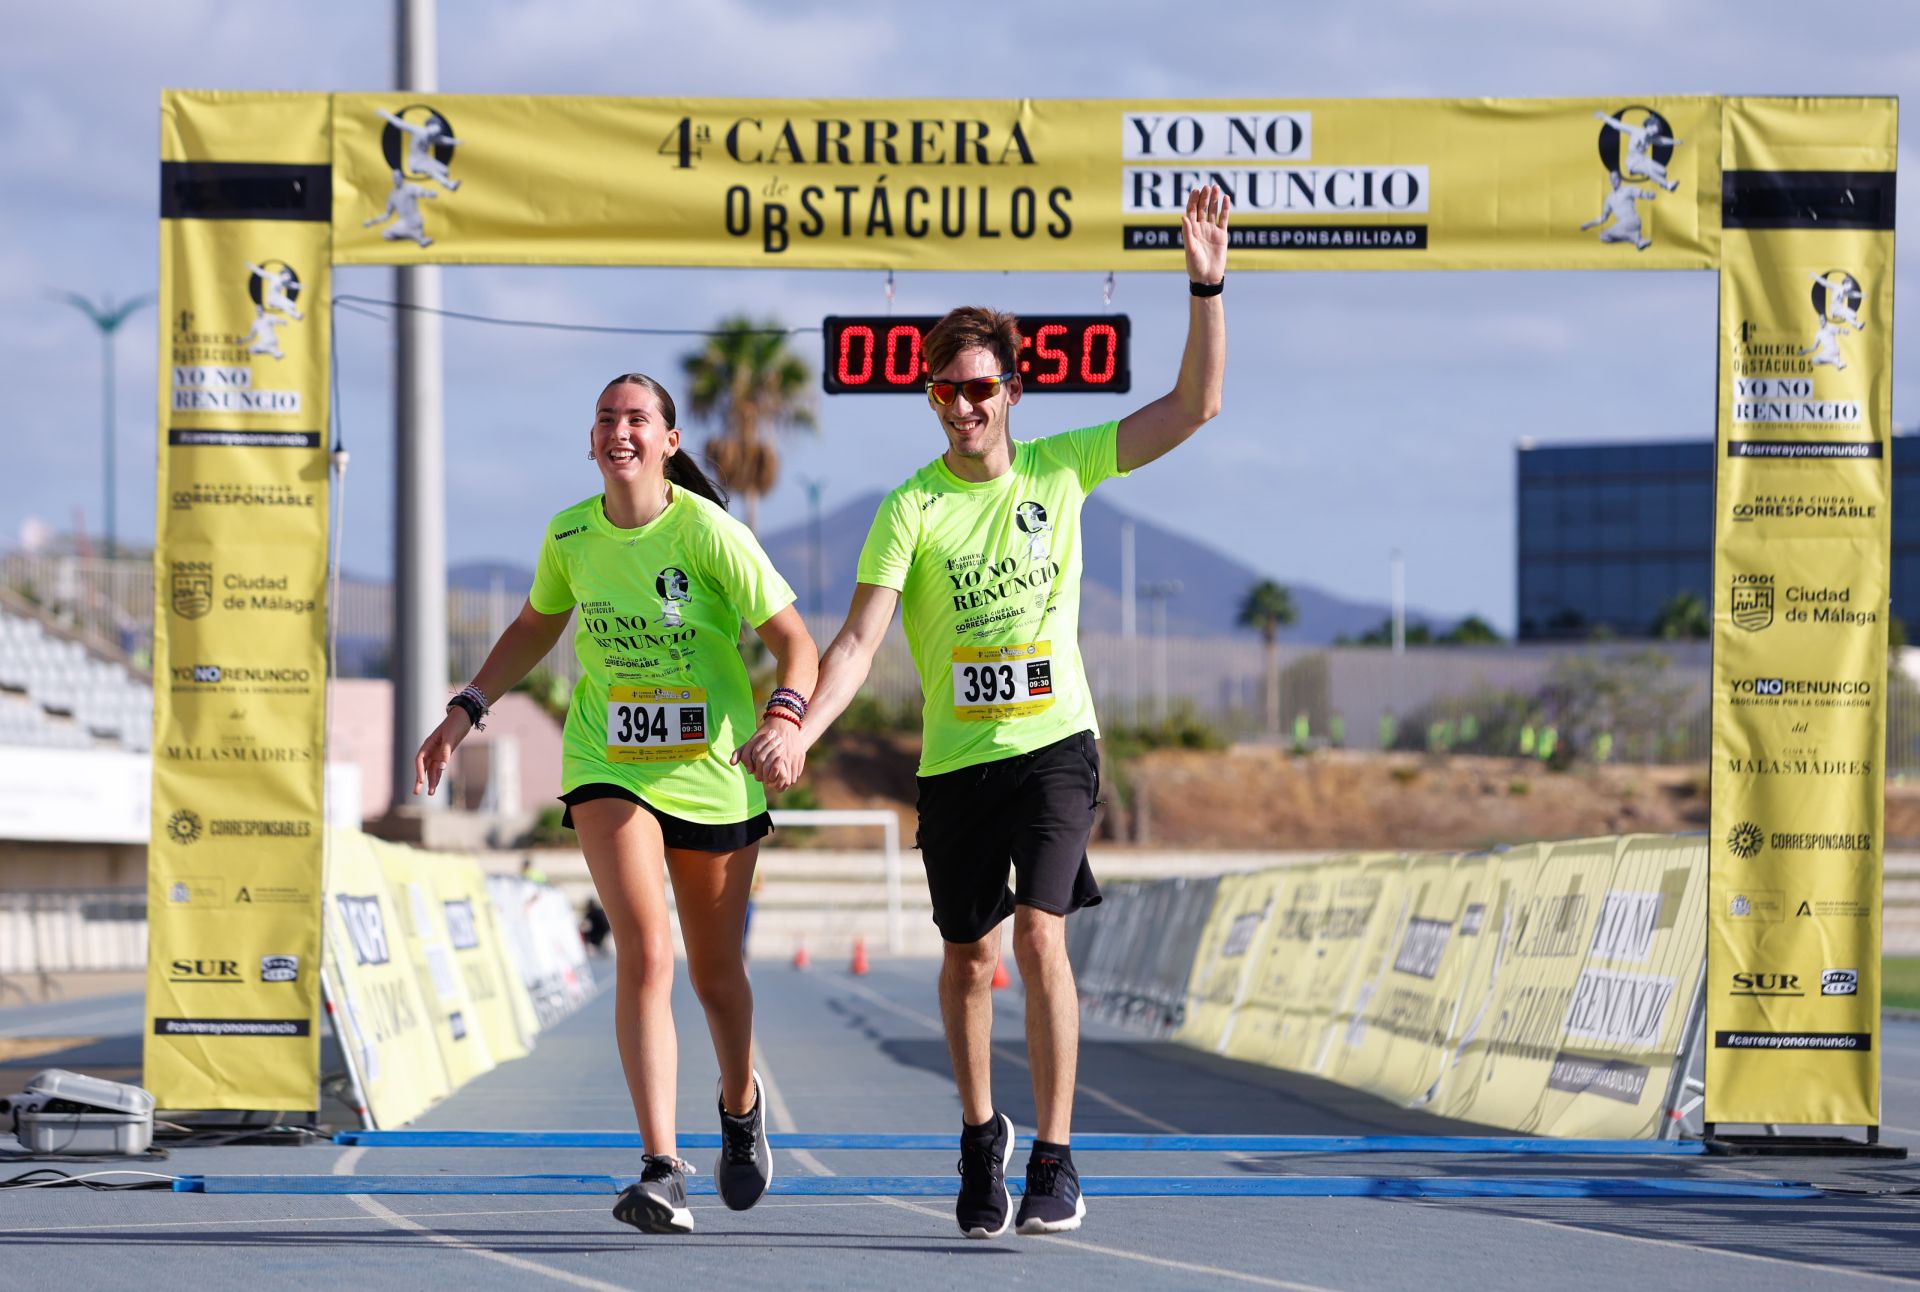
<point x="1032" y="812"/>
<point x="677" y="831"/>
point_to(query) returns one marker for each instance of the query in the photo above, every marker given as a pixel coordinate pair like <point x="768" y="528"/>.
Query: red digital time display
<point x="880" y="353"/>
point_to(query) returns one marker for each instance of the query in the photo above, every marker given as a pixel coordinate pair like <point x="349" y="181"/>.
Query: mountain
<point x="1212" y="583"/>
<point x="479" y="576"/>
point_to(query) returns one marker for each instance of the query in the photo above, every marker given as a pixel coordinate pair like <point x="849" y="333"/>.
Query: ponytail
<point x="681" y="469"/>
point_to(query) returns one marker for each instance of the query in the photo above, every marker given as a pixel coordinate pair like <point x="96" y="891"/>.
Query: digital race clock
<point x="880" y="353"/>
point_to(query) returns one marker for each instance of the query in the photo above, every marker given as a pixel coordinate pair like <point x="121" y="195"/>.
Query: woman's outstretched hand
<point x="430" y="764"/>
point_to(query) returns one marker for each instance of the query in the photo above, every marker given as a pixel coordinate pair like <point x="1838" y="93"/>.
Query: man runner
<point x="982" y="548"/>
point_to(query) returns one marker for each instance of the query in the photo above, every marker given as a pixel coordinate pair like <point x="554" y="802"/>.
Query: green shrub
<point x="548" y="830"/>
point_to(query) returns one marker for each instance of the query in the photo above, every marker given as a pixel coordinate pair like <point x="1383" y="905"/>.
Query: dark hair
<point x="681" y="468"/>
<point x="973" y="327"/>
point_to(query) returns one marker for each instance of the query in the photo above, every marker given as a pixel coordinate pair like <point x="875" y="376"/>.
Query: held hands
<point x="775" y="754"/>
<point x="430" y="764"/>
<point x="1204" y="229"/>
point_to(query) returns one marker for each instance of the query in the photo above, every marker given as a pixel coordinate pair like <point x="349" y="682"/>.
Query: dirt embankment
<point x="1263" y="798"/>
<point x="1254" y="797"/>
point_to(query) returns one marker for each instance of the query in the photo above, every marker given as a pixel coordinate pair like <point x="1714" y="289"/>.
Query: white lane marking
<point x="1119" y="1253"/>
<point x="432" y="1235"/>
<point x="779" y="1116"/>
<point x="782" y="1118"/>
<point x="1094" y="1093"/>
<point x="698" y="1205"/>
<point x="344" y="1164"/>
<point x="1565" y="1226"/>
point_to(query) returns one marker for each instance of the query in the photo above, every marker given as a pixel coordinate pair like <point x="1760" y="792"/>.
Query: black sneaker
<point x="985" y="1208"/>
<point x="657" y="1204"/>
<point x="744" y="1168"/>
<point x="1052" y="1203"/>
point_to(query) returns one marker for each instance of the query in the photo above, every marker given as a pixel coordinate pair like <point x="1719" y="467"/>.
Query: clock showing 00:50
<point x="880" y="353"/>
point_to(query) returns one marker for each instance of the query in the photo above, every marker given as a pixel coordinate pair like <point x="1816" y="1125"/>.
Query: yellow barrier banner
<point x="1599" y="964"/>
<point x="234" y="867"/>
<point x="1801" y="607"/>
<point x="1550" y="989"/>
<point x="465" y="1048"/>
<point x="1322" y="914"/>
<point x="1392" y="1047"/>
<point x="382" y="1016"/>
<point x="1037" y="184"/>
<point x="1556" y="902"/>
<point x="1228" y="947"/>
<point x="1487" y="932"/>
<point x="501" y="1004"/>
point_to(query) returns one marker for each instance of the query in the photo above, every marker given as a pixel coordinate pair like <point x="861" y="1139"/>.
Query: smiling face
<point x="631" y="438"/>
<point x="975" y="430"/>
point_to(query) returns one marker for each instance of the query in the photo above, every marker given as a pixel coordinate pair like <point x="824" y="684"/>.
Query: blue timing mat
<point x="1113" y="1186"/>
<point x="1083" y="1143"/>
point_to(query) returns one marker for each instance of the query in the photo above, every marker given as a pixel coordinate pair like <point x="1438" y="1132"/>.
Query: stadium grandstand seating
<point x="58" y="692"/>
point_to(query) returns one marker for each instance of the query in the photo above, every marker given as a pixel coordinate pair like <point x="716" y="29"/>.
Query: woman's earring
<point x="589" y="452"/>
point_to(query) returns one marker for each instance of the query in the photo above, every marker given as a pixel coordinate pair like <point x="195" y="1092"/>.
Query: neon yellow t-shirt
<point x="989" y="583"/>
<point x="663" y="699"/>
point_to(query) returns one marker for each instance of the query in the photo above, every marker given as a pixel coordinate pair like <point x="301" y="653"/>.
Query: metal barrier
<point x="1133" y="962"/>
<point x="73" y="930"/>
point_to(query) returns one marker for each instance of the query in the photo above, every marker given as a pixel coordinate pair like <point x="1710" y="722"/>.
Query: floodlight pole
<point x="107" y="318"/>
<point x="1158" y="594"/>
<point x="816" y="554"/>
<point x="420" y="488"/>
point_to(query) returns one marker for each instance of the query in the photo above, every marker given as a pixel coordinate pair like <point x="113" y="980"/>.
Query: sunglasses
<point x="979" y="389"/>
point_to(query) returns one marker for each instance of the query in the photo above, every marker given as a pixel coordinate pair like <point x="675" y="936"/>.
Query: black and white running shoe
<point x="657" y="1204"/>
<point x="1052" y="1203"/>
<point x="744" y="1168"/>
<point x="984" y="1207"/>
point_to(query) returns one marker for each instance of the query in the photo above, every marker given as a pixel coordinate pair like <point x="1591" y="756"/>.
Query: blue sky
<point x="1363" y="412"/>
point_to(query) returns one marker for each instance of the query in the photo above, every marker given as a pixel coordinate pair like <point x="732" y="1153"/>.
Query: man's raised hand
<point x="1204" y="227"/>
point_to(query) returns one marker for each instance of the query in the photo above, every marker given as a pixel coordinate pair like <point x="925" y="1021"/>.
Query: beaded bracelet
<point x="784" y="715"/>
<point x="799" y="700"/>
<point x="472" y="701"/>
<point x="787" y="705"/>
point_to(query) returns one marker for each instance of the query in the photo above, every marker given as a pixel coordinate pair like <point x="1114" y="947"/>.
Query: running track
<point x="846" y="1054"/>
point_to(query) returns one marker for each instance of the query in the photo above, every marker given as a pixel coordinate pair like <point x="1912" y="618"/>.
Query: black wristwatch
<point x="1207" y="289"/>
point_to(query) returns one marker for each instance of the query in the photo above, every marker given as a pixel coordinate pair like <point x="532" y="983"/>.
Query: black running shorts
<point x="1032" y="812"/>
<point x="676" y="831"/>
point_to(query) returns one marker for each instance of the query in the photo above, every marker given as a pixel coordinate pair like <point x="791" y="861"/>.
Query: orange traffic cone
<point x="859" y="957"/>
<point x="801" y="960"/>
<point x="1001" y="978"/>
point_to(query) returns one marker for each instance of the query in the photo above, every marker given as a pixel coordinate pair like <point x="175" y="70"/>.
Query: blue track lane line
<point x="1085" y="1143"/>
<point x="1113" y="1186"/>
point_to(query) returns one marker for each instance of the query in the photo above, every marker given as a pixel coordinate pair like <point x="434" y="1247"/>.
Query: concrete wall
<point x="72" y="865"/>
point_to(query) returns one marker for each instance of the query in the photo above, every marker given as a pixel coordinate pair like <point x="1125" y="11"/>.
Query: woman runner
<point x="656" y="734"/>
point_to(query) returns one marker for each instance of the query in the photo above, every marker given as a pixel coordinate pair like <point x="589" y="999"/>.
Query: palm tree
<point x="1269" y="608"/>
<point x="1683" y="617"/>
<point x="746" y="379"/>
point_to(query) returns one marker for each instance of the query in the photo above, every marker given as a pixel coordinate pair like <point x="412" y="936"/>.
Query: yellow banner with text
<point x="233" y="992"/>
<point x="1801" y="613"/>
